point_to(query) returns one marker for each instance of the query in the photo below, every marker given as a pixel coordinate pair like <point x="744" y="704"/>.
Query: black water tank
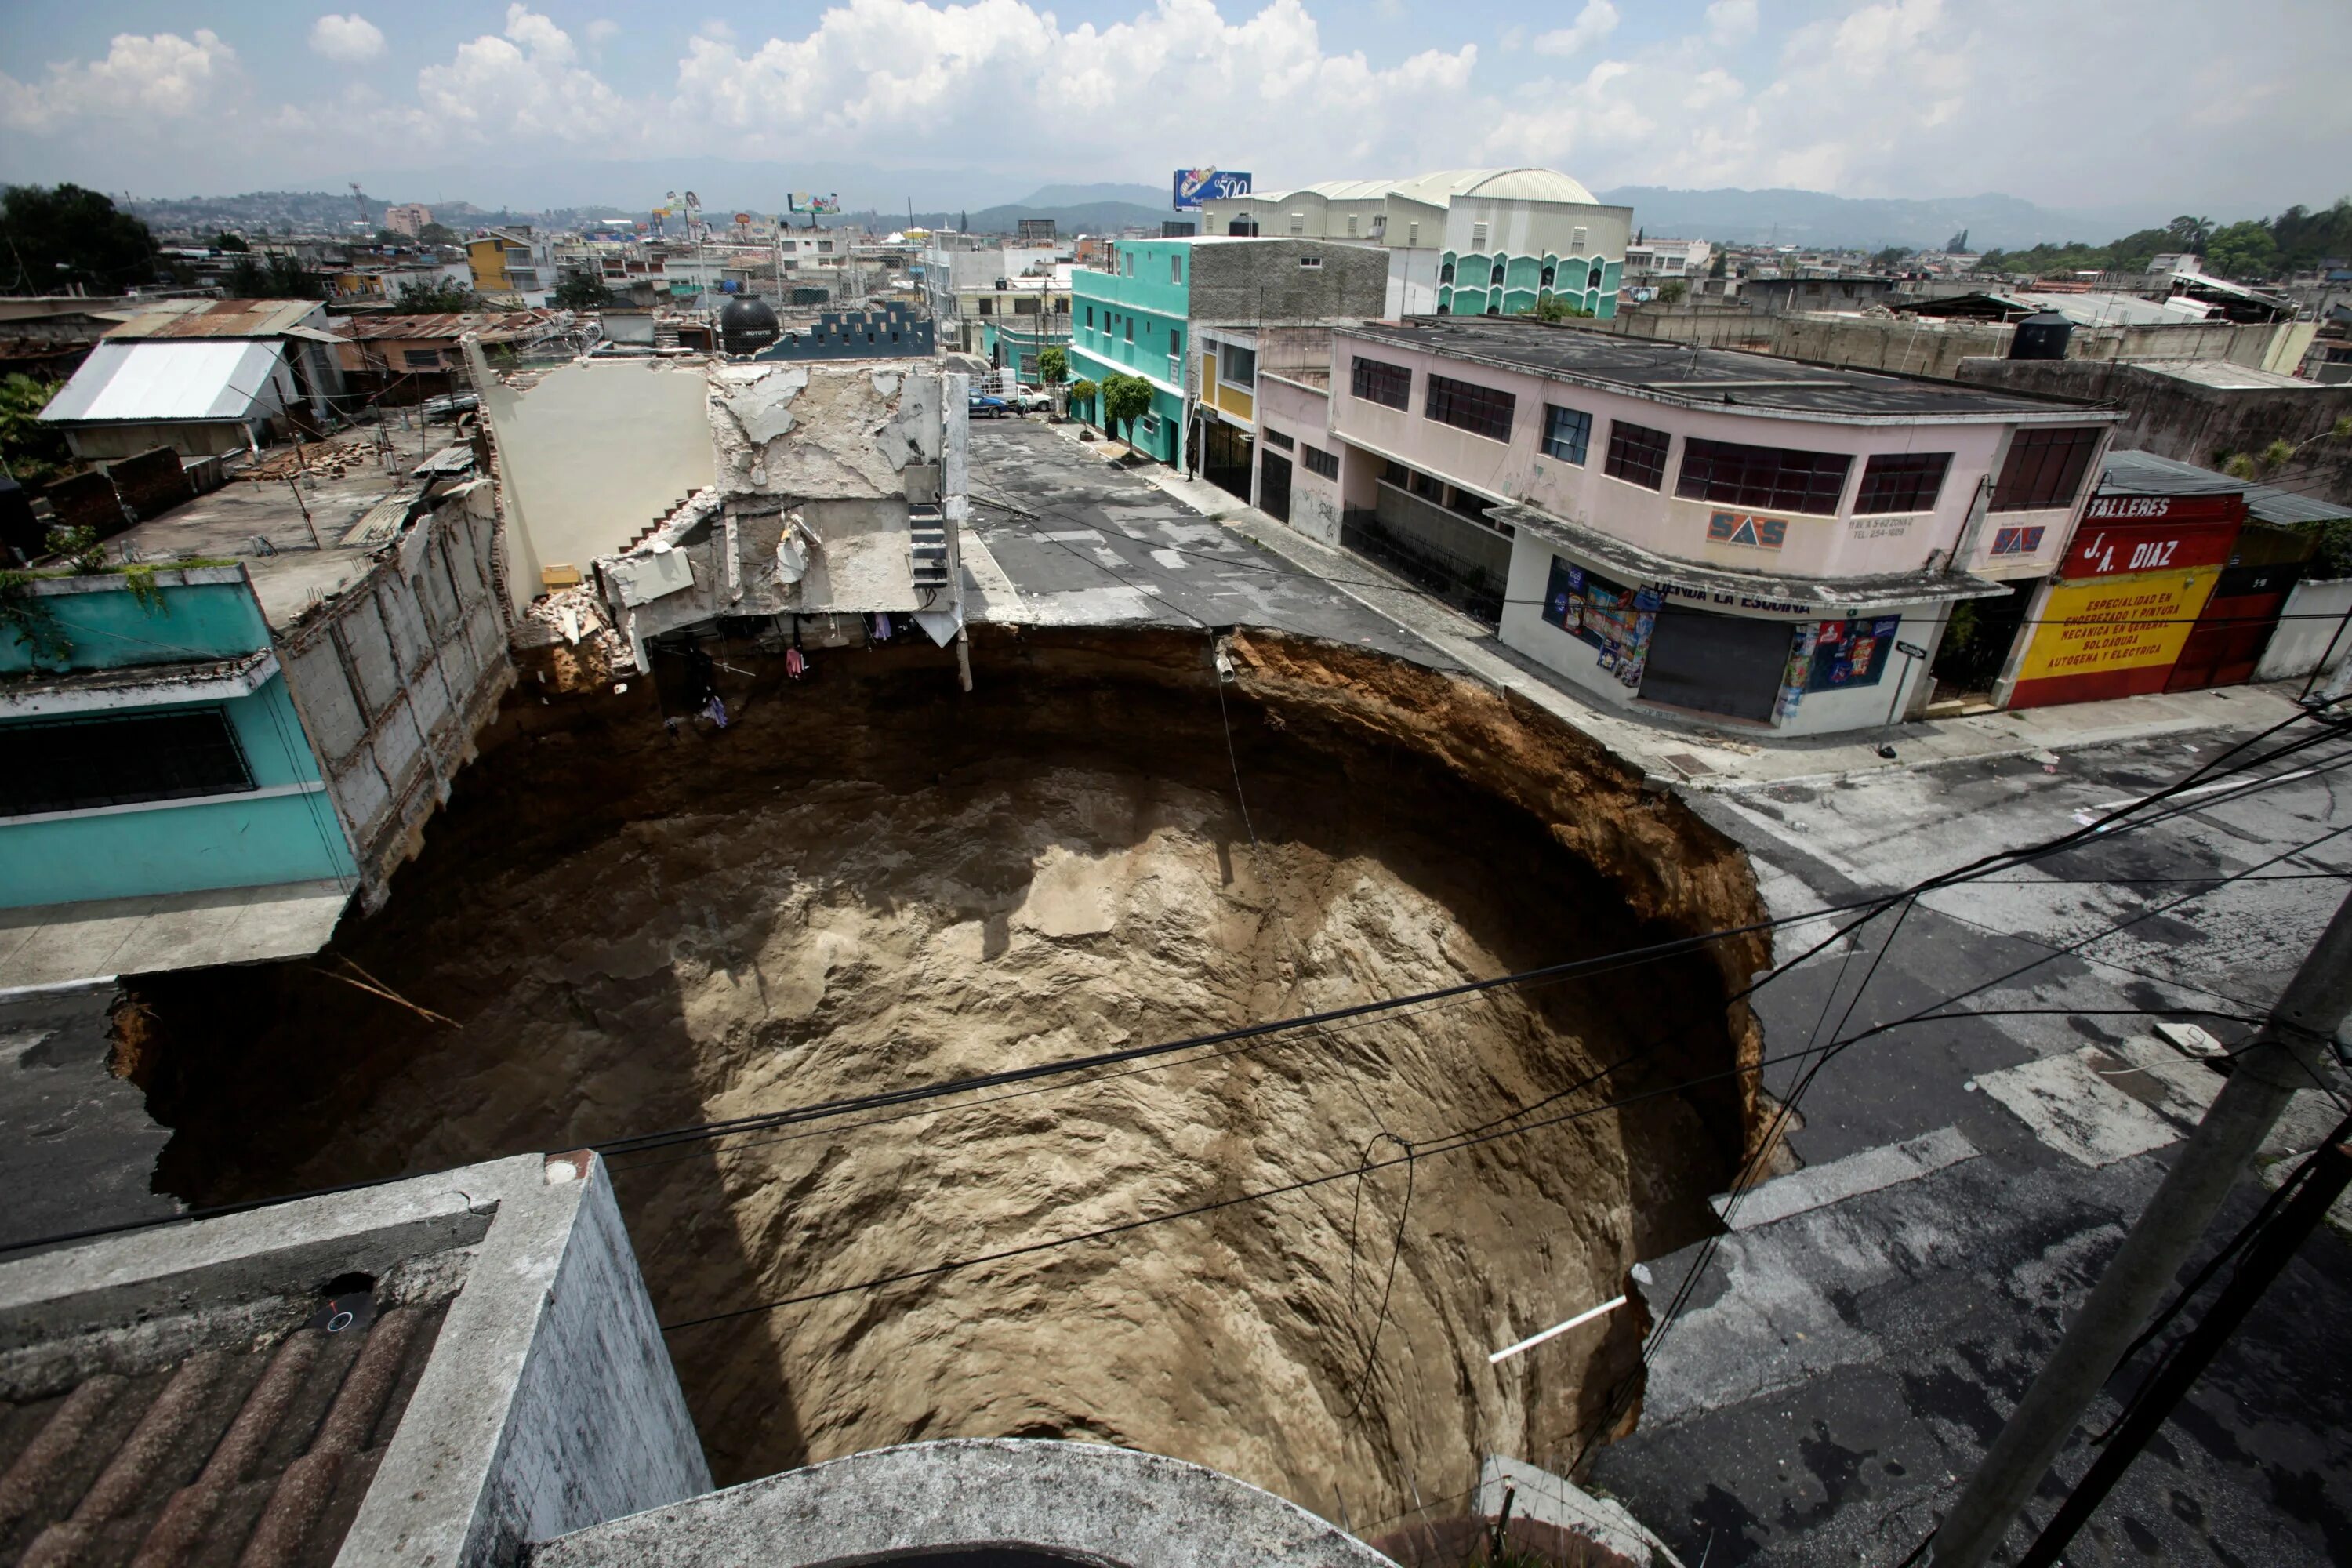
<point x="747" y="325"/>
<point x="2041" y="335"/>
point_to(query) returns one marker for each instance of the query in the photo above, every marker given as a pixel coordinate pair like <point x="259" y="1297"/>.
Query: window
<point x="1445" y="273"/>
<point x="1276" y="438"/>
<point x="1236" y="364"/>
<point x="1550" y="276"/>
<point x="1466" y="405"/>
<point x="1477" y="237"/>
<point x="1176" y="350"/>
<point x="1901" y="481"/>
<point x="1568" y="432"/>
<point x="1090" y="318"/>
<point x="1765" y="477"/>
<point x="1319" y="461"/>
<point x="988" y="307"/>
<point x="1022" y="306"/>
<point x="1389" y="385"/>
<point x="420" y="358"/>
<point x="1428" y="487"/>
<point x="1494" y="278"/>
<point x="1127" y="262"/>
<point x="2044" y="470"/>
<point x="1576" y="239"/>
<point x="1412" y="233"/>
<point x="1299" y="223"/>
<point x="1175" y="269"/>
<point x="1129" y="323"/>
<point x="1637" y="455"/>
<point x="81" y="764"/>
<point x="1394" y="472"/>
<point x="1314" y="260"/>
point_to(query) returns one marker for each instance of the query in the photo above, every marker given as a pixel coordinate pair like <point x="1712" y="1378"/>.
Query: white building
<point x="1469" y="242"/>
<point x="1655" y="262"/>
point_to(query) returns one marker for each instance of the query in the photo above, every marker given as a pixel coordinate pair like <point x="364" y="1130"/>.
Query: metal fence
<point x="1468" y="586"/>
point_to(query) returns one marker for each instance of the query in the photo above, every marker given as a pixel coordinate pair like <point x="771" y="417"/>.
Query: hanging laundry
<point x="795" y="665"/>
<point x="715" y="711"/>
<point x="882" y="627"/>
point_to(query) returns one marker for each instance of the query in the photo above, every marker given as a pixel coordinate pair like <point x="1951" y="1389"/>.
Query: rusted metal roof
<point x="491" y="326"/>
<point x="262" y="1447"/>
<point x="223" y="318"/>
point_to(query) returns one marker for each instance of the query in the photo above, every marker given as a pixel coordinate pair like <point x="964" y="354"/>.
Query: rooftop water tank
<point x="2041" y="335"/>
<point x="747" y="324"/>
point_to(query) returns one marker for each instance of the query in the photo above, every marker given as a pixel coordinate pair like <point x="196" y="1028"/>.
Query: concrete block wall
<point x="152" y="483"/>
<point x="1280" y="279"/>
<point x="395" y="679"/>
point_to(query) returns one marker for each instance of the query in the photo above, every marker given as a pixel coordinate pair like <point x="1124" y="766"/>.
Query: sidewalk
<point x="1692" y="756"/>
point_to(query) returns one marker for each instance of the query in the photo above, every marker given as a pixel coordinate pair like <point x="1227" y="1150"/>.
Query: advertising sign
<point x="1746" y="528"/>
<point x="2166" y="509"/>
<point x="803" y="202"/>
<point x="1194" y="186"/>
<point x="1848" y="654"/>
<point x="2117" y="637"/>
<point x="1616" y="620"/>
<point x="2113" y="549"/>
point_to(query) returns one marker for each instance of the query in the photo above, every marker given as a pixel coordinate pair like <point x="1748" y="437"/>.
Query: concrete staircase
<point x="926" y="534"/>
<point x="653" y="527"/>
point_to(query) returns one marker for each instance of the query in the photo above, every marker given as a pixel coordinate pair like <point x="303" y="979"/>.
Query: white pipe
<point x="1533" y="1340"/>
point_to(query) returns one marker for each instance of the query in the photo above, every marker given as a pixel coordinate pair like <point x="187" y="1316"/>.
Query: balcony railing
<point x="1467" y="585"/>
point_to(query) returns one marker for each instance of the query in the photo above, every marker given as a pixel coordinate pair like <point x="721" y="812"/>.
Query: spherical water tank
<point x="747" y="325"/>
<point x="2041" y="335"/>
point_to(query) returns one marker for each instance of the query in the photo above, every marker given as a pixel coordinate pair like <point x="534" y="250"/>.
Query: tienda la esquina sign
<point x="2127" y="594"/>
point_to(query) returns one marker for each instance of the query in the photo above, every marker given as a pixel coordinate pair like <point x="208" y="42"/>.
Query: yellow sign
<point x="2116" y="622"/>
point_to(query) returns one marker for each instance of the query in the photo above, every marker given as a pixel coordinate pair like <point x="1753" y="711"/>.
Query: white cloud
<point x="352" y="39"/>
<point x="601" y="31"/>
<point x="1731" y="21"/>
<point x="1594" y="23"/>
<point x="523" y="86"/>
<point x="164" y="77"/>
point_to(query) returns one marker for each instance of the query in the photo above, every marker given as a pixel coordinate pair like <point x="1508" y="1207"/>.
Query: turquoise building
<point x="1498" y="283"/>
<point x="152" y="744"/>
<point x="1134" y="322"/>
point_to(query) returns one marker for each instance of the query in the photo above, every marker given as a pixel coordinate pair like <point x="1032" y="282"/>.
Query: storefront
<point x="2128" y="593"/>
<point x="1793" y="658"/>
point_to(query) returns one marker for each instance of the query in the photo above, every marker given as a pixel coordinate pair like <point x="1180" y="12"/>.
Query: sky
<point x="2233" y="111"/>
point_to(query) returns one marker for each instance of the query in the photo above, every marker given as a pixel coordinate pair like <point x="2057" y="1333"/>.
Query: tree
<point x="35" y="452"/>
<point x="1894" y="255"/>
<point x="439" y="234"/>
<point x="226" y="241"/>
<point x="62" y="236"/>
<point x="1959" y="242"/>
<point x="2189" y="232"/>
<point x="1552" y="307"/>
<point x="1083" y="393"/>
<point x="1125" y="400"/>
<point x="1054" y="368"/>
<point x="388" y="239"/>
<point x="581" y="290"/>
<point x="277" y="277"/>
<point x="1671" y="293"/>
<point x="1720" y="266"/>
<point x="441" y="294"/>
<point x="2243" y="250"/>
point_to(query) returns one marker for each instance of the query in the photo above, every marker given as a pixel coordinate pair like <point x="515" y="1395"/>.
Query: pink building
<point x="1729" y="535"/>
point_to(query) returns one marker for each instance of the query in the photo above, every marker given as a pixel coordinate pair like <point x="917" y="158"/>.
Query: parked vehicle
<point x="985" y="405"/>
<point x="1034" y="400"/>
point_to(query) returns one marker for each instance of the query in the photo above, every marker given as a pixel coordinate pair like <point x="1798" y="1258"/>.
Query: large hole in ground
<point x="872" y="881"/>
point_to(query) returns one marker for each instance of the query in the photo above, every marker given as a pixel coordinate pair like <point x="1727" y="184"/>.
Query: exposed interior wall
<point x="395" y="678"/>
<point x="590" y="454"/>
<point x="2313" y="632"/>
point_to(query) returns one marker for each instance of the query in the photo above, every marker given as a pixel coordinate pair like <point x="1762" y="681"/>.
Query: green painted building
<point x="1498" y="283"/>
<point x="1136" y="320"/>
<point x="153" y="747"/>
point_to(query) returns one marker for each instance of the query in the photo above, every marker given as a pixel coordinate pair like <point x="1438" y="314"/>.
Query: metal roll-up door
<point x="1729" y="665"/>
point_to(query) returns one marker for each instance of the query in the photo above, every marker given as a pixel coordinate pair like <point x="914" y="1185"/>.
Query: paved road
<point x="1856" y="1340"/>
<point x="1062" y="538"/>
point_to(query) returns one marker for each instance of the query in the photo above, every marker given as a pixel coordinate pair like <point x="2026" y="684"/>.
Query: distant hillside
<point x="1154" y="196"/>
<point x="1814" y="218"/>
<point x="1082" y="218"/>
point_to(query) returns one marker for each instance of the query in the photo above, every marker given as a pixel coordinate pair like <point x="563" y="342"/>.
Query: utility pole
<point x="2290" y="1052"/>
<point x="2322" y="1184"/>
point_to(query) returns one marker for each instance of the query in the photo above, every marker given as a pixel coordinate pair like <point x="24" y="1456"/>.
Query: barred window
<point x="1901" y="481"/>
<point x="1466" y="405"/>
<point x="76" y="765"/>
<point x="2044" y="470"/>
<point x="1567" y="433"/>
<point x="1276" y="438"/>
<point x="1376" y="381"/>
<point x="1637" y="455"/>
<point x="1767" y="476"/>
<point x="1319" y="461"/>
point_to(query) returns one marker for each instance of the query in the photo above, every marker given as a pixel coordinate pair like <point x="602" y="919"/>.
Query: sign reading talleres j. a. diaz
<point x="2123" y="535"/>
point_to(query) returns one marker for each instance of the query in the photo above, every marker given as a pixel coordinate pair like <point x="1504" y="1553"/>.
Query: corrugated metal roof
<point x="144" y="381"/>
<point x="224" y="319"/>
<point x="2148" y="474"/>
<point x="490" y="325"/>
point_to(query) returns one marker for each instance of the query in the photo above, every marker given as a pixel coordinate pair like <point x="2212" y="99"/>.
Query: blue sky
<point x="2067" y="103"/>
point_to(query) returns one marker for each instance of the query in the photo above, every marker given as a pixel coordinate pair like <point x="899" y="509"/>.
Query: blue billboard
<point x="1194" y="186"/>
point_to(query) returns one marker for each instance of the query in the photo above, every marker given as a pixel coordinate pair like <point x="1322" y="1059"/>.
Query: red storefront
<point x="2127" y="597"/>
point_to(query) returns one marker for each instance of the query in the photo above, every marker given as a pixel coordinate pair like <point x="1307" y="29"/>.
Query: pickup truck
<point x="1034" y="400"/>
<point x="986" y="406"/>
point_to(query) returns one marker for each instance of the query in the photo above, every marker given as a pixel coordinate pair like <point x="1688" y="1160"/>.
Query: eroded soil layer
<point x="871" y="880"/>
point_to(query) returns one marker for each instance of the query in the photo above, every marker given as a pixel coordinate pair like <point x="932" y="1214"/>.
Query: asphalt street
<point x="1855" y="1341"/>
<point x="1060" y="537"/>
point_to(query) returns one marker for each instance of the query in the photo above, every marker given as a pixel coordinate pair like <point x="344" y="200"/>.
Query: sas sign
<point x="1194" y="186"/>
